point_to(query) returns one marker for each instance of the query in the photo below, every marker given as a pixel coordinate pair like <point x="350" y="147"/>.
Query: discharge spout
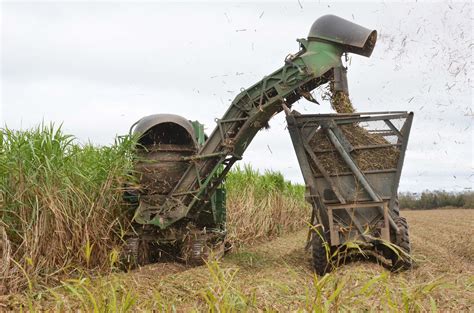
<point x="349" y="36"/>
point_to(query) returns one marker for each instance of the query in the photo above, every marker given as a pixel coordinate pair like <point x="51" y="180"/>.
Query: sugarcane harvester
<point x="180" y="201"/>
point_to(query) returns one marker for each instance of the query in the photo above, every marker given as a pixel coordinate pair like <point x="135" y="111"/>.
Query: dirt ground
<point x="277" y="275"/>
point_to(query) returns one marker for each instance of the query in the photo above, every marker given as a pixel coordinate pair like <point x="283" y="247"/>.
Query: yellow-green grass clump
<point x="62" y="211"/>
<point x="60" y="206"/>
<point x="263" y="205"/>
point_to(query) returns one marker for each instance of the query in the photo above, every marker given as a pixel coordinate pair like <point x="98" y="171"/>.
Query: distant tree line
<point x="428" y="200"/>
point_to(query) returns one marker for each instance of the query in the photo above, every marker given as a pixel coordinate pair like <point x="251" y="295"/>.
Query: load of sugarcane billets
<point x="381" y="158"/>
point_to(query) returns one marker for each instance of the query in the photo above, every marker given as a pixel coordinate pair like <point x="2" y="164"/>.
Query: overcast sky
<point x="99" y="67"/>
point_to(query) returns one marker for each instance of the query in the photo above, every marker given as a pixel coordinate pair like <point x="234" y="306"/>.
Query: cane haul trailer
<point x="179" y="204"/>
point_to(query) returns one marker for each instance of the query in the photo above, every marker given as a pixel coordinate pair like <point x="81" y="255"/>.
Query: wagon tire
<point x="402" y="240"/>
<point x="321" y="264"/>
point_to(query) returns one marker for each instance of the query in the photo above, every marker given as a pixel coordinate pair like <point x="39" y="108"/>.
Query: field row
<point x="277" y="275"/>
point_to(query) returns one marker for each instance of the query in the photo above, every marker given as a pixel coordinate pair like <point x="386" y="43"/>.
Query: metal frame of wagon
<point x="302" y="128"/>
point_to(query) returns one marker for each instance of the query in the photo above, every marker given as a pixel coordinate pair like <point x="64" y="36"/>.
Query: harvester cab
<point x="180" y="207"/>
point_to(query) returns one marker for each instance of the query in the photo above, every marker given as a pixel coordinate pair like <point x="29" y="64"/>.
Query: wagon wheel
<point x="402" y="240"/>
<point x="319" y="252"/>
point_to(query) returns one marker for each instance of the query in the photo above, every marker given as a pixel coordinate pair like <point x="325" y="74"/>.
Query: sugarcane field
<point x="290" y="156"/>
